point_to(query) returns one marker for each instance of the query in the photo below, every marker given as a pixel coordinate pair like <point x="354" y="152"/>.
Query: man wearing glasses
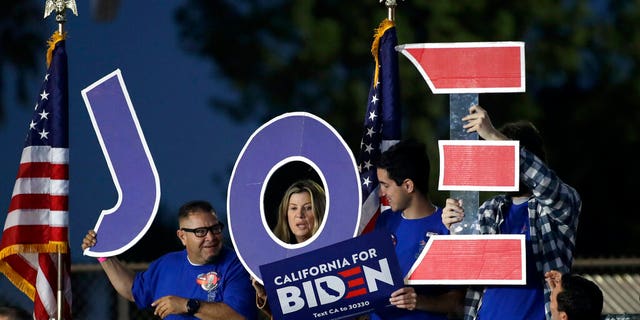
<point x="204" y="281"/>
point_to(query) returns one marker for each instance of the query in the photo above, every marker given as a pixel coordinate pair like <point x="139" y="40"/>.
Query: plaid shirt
<point x="553" y="221"/>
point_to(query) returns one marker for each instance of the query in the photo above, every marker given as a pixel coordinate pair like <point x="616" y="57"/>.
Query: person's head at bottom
<point x="576" y="298"/>
<point x="14" y="313"/>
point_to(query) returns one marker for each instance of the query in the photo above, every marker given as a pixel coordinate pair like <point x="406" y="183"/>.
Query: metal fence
<point x="94" y="297"/>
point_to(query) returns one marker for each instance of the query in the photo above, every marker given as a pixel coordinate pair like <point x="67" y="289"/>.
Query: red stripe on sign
<point x="479" y="67"/>
<point x="478" y="165"/>
<point x="476" y="259"/>
<point x="355" y="293"/>
<point x="355" y="283"/>
<point x="350" y="272"/>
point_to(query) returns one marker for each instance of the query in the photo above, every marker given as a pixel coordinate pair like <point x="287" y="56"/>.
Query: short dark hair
<point x="580" y="298"/>
<point x="14" y="313"/>
<point x="527" y="134"/>
<point x="195" y="206"/>
<point x="407" y="159"/>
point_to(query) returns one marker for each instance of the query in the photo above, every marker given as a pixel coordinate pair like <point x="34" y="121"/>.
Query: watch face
<point x="192" y="306"/>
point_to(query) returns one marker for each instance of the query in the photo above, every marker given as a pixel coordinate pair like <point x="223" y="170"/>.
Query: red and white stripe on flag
<point x="35" y="233"/>
<point x="479" y="165"/>
<point x="471" y="259"/>
<point x="37" y="226"/>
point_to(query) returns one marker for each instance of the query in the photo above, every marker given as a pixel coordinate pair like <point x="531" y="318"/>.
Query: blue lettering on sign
<point x="132" y="168"/>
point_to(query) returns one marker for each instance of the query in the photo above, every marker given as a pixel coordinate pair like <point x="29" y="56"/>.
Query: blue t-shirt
<point x="224" y="280"/>
<point x="409" y="237"/>
<point x="516" y="301"/>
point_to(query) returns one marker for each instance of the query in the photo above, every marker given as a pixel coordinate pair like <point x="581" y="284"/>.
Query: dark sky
<point x="169" y="90"/>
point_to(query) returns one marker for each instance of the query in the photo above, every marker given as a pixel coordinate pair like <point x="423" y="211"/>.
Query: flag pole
<point x="391" y="9"/>
<point x="60" y="7"/>
<point x="59" y="292"/>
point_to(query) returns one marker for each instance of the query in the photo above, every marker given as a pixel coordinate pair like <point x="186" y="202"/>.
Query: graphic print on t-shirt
<point x="208" y="281"/>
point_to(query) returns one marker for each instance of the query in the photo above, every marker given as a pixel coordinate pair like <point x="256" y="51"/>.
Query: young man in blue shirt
<point x="403" y="174"/>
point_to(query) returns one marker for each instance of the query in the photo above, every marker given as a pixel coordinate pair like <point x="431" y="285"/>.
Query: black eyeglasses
<point x="201" y="232"/>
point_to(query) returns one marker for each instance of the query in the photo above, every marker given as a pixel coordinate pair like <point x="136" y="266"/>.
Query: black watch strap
<point x="192" y="306"/>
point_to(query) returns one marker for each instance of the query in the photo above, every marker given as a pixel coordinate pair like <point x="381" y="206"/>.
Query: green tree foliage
<point x="581" y="65"/>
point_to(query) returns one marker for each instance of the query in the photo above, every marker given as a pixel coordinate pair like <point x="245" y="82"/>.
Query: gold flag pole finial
<point x="391" y="7"/>
<point x="59" y="6"/>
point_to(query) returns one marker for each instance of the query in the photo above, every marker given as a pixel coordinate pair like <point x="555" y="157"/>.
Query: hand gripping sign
<point x="467" y="165"/>
<point x="291" y="137"/>
<point x="132" y="168"/>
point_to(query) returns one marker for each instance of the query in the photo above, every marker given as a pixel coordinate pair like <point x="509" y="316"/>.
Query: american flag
<point x="382" y="126"/>
<point x="36" y="228"/>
